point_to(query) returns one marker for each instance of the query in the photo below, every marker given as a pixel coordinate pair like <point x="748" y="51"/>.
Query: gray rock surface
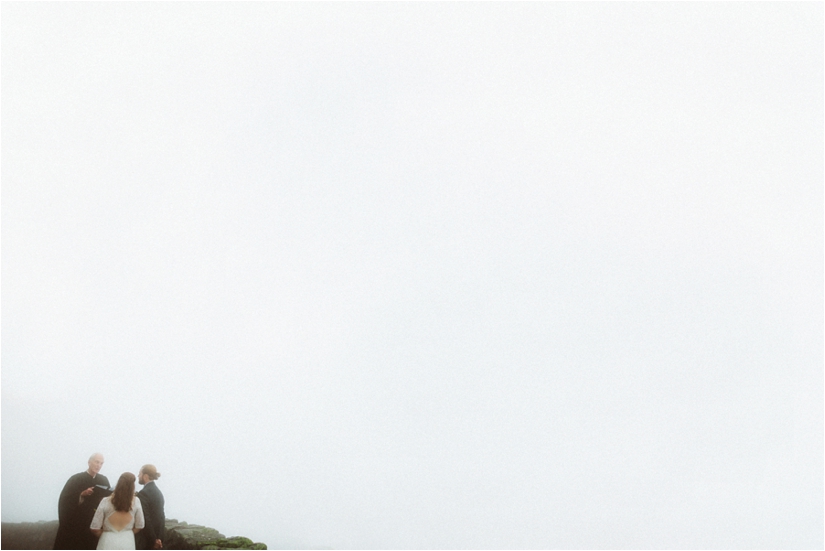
<point x="179" y="535"/>
<point x="28" y="535"/>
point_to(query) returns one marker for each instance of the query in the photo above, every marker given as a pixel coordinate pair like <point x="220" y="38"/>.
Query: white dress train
<point x="112" y="538"/>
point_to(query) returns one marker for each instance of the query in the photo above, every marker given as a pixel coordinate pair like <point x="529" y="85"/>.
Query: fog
<point x="415" y="276"/>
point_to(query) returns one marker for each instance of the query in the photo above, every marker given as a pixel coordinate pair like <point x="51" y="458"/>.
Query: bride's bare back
<point x="120" y="519"/>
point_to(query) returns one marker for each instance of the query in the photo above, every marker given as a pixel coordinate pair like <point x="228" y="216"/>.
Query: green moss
<point x="237" y="542"/>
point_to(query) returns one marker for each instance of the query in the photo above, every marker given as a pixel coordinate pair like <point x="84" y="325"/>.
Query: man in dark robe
<point x="77" y="504"/>
<point x="151" y="499"/>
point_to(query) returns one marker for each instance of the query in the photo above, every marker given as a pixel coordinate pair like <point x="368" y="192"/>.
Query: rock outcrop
<point x="182" y="535"/>
<point x="179" y="535"/>
<point x="28" y="535"/>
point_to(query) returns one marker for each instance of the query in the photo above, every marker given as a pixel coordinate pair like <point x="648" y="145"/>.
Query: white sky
<point x="389" y="275"/>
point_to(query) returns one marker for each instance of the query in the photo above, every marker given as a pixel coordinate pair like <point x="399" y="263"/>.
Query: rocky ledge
<point x="182" y="535"/>
<point x="179" y="535"/>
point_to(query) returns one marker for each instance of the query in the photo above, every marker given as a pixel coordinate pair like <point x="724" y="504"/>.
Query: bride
<point x="119" y="517"/>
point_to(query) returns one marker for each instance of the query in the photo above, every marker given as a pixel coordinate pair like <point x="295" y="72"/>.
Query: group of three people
<point x="93" y="516"/>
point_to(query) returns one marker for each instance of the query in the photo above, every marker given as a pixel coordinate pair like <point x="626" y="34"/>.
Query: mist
<point x="420" y="276"/>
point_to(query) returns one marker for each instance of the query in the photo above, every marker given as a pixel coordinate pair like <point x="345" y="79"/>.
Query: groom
<point x="151" y="499"/>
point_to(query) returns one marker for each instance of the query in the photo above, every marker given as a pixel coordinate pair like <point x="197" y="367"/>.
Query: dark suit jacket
<point x="152" y="502"/>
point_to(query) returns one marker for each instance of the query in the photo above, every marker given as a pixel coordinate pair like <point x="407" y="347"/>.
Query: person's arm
<point x="140" y="521"/>
<point x="64" y="503"/>
<point x="69" y="500"/>
<point x="149" y="518"/>
<point x="161" y="524"/>
<point x="85" y="493"/>
<point x="97" y="522"/>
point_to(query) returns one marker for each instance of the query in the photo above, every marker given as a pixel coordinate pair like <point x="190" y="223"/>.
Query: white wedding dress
<point x="113" y="538"/>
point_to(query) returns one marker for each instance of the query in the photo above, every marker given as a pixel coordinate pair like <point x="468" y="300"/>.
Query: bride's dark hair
<point x="124" y="492"/>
